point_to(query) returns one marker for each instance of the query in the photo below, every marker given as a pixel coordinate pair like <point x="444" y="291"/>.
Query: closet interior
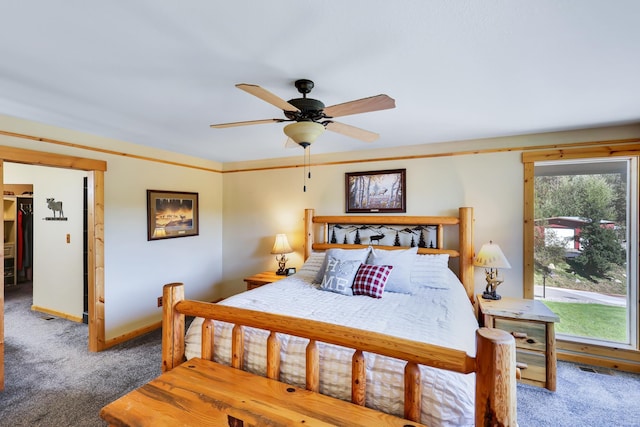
<point x="18" y="233"/>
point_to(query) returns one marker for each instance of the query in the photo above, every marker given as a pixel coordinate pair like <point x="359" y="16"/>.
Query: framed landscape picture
<point x="376" y="191"/>
<point x="171" y="214"/>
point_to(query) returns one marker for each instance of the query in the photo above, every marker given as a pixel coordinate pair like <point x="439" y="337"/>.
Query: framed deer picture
<point x="376" y="191"/>
<point x="171" y="214"/>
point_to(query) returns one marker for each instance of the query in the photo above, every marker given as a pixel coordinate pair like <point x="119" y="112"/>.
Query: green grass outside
<point x="590" y="320"/>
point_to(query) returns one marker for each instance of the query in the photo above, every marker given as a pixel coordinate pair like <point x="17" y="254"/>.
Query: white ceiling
<point x="159" y="72"/>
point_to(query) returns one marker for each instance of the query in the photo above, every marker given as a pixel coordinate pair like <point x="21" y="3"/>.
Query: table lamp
<point x="491" y="258"/>
<point x="280" y="248"/>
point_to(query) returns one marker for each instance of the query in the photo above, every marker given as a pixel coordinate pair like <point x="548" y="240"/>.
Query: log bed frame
<point x="203" y="392"/>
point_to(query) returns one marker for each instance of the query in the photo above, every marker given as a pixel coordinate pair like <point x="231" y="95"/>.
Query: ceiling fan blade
<point x="266" y="96"/>
<point x="364" y="105"/>
<point x="352" y="131"/>
<point x="247" y="123"/>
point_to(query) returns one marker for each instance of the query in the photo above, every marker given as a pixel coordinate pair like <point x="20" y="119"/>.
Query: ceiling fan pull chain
<point x="306" y="163"/>
<point x="304" y="169"/>
<point x="309" y="162"/>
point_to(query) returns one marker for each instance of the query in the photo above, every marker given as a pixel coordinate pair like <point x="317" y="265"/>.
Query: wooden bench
<point x="187" y="395"/>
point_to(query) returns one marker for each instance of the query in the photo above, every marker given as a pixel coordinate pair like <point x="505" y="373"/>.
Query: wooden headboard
<point x="317" y="236"/>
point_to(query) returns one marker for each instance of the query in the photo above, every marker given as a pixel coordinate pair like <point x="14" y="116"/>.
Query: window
<point x="582" y="243"/>
<point x="581" y="247"/>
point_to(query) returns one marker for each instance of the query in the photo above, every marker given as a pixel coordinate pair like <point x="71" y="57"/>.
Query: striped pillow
<point x="371" y="279"/>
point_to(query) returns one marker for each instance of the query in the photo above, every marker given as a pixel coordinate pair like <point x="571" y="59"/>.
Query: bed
<point x="411" y="349"/>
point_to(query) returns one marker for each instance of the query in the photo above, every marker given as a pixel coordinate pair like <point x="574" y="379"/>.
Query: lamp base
<point x="281" y="272"/>
<point x="491" y="295"/>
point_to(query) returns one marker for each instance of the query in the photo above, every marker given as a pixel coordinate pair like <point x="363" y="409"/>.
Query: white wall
<point x="57" y="265"/>
<point x="135" y="269"/>
<point x="258" y="205"/>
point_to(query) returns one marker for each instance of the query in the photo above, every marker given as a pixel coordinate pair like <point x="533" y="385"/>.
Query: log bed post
<point x="495" y="378"/>
<point x="172" y="327"/>
<point x="308" y="237"/>
<point x="466" y="273"/>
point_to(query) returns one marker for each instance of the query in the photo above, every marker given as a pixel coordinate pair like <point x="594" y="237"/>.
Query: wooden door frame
<point x="95" y="211"/>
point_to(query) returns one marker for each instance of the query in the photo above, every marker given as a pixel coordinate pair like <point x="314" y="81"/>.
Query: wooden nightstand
<point x="532" y="325"/>
<point x="263" y="278"/>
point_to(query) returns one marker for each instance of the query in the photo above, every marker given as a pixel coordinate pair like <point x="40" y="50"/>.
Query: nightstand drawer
<point x="528" y="335"/>
<point x="535" y="369"/>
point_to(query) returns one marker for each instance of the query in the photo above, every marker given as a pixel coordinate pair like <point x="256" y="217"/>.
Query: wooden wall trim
<point x="95" y="260"/>
<point x="443" y="154"/>
<point x="528" y="231"/>
<point x="96" y="149"/>
<point x="133" y="334"/>
<point x="596" y="355"/>
<point x="603" y="150"/>
<point x="327" y="163"/>
<point x="31" y="157"/>
<point x="60" y="314"/>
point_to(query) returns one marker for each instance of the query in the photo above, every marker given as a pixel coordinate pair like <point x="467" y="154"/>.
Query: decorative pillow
<point x="343" y="254"/>
<point x="402" y="261"/>
<point x="371" y="279"/>
<point x="339" y="274"/>
<point x="431" y="271"/>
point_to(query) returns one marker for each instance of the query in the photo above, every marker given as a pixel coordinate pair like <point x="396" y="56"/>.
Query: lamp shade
<point x="491" y="256"/>
<point x="281" y="245"/>
<point x="303" y="132"/>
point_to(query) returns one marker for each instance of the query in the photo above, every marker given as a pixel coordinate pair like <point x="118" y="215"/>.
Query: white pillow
<point x="430" y="270"/>
<point x="339" y="274"/>
<point x="402" y="261"/>
<point x="313" y="264"/>
<point x="342" y="254"/>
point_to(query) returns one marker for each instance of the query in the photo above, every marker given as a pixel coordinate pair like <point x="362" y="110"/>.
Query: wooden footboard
<point x="494" y="364"/>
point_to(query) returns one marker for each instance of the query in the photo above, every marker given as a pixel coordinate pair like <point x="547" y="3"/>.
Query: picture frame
<point x="172" y="214"/>
<point x="383" y="191"/>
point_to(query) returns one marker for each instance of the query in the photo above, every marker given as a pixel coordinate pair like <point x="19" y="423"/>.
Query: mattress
<point x="441" y="316"/>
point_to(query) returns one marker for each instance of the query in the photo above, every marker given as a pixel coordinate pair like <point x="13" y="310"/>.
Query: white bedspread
<point x="437" y="316"/>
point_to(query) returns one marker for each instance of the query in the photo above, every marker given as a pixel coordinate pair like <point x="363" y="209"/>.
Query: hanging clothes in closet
<point x="19" y="249"/>
<point x="25" y="240"/>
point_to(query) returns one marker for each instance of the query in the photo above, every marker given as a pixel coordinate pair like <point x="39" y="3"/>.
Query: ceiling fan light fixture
<point x="304" y="133"/>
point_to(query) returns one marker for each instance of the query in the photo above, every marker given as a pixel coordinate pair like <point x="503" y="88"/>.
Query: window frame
<point x="622" y="356"/>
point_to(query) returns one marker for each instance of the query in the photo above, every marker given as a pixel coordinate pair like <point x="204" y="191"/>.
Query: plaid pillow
<point x="370" y="280"/>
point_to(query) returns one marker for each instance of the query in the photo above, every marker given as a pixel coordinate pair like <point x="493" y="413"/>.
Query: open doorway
<point x="95" y="211"/>
<point x="46" y="254"/>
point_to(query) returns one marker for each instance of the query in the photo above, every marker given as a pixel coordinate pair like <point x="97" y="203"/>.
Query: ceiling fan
<point x="310" y="117"/>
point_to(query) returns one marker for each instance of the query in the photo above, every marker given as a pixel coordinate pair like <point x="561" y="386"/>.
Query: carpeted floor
<point x="583" y="399"/>
<point x="52" y="380"/>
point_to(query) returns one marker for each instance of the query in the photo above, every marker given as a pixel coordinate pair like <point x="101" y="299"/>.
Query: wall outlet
<point x="159" y="301"/>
